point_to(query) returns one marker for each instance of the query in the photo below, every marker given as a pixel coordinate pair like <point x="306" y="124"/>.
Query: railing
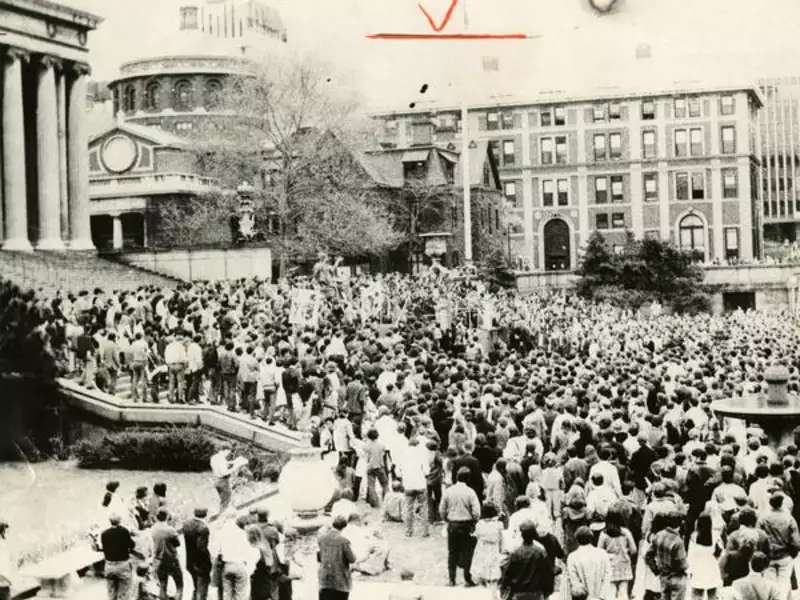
<point x="183" y="180"/>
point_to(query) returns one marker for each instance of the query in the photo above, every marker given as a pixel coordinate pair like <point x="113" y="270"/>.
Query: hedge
<point x="174" y="449"/>
<point x="178" y="449"/>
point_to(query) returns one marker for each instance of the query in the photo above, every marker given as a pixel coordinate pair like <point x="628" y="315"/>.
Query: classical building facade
<point x="45" y="167"/>
<point x="677" y="164"/>
<point x="143" y="161"/>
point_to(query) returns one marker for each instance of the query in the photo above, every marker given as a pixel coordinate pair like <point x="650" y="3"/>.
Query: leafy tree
<point x="294" y="130"/>
<point x="644" y="271"/>
<point x="496" y="270"/>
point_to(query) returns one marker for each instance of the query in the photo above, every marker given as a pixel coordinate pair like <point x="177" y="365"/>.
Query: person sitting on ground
<point x="394" y="503"/>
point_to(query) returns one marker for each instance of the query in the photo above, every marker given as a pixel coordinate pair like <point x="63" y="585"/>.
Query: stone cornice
<point x="45" y="61"/>
<point x="79" y="69"/>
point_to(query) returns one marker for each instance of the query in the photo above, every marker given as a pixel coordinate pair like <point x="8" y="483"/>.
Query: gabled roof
<point x="152" y="134"/>
<point x="478" y="155"/>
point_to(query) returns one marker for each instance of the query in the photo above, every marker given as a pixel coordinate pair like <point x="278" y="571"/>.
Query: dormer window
<point x="189" y="17"/>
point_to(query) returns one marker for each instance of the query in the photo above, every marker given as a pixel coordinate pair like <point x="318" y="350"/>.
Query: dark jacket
<point x="475" y="472"/>
<point x="527" y="571"/>
<point x="198" y="558"/>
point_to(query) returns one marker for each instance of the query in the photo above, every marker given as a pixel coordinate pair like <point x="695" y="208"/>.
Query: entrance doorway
<point x="556" y="246"/>
<point x="733" y="300"/>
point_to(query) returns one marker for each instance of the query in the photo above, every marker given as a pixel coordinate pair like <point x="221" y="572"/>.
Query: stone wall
<point x="206" y="265"/>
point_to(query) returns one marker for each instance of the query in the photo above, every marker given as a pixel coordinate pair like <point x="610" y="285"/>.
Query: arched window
<point x="129" y="99"/>
<point x="152" y="96"/>
<point x="213" y="94"/>
<point x="692" y="234"/>
<point x="184" y="99"/>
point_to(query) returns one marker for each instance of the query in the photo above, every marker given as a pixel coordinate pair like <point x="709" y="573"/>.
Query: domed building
<point x="141" y="163"/>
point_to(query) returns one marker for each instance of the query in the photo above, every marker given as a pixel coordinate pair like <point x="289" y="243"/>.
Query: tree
<point x="199" y="220"/>
<point x="644" y="271"/>
<point x="295" y="130"/>
<point x="496" y="270"/>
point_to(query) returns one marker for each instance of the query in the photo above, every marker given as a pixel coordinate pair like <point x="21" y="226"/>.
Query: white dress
<point x="704" y="571"/>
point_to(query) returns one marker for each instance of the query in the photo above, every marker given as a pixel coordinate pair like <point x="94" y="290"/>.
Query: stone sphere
<point x="307" y="482"/>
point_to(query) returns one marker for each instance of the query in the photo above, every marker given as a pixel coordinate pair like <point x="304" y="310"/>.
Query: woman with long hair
<point x="704" y="572"/>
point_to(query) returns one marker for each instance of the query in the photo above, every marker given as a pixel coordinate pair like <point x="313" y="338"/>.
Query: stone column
<point x="14" y="178"/>
<point x="49" y="200"/>
<point x="78" y="156"/>
<point x="117" y="231"/>
<point x="61" y="95"/>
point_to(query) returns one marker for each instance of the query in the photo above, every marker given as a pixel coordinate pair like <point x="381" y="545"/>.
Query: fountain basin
<point x="777" y="412"/>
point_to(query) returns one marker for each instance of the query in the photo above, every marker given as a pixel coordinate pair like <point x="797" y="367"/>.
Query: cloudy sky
<point x="574" y="49"/>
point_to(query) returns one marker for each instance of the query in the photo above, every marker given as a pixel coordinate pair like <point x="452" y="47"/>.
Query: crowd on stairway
<point x="557" y="440"/>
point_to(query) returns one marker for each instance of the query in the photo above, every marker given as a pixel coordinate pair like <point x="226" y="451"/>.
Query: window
<point x="599" y="146"/>
<point x="414" y="169"/>
<point x="508" y="120"/>
<point x="183" y="96"/>
<point x="617" y="194"/>
<point x="615" y="143"/>
<point x="648" y="110"/>
<point x="649" y="144"/>
<point x="129" y="99"/>
<point x="730" y="183"/>
<point x="682" y="186"/>
<point x="599" y="113"/>
<point x="213" y="94"/>
<point x="189" y="17"/>
<point x="560" y="116"/>
<point x="601" y="221"/>
<point x="561" y="150"/>
<point x="494" y="149"/>
<point x="546" y="118"/>
<point x="694" y="107"/>
<point x="152" y="96"/>
<point x="497" y="219"/>
<point x="680" y="108"/>
<point x="727" y="105"/>
<point x="563" y="192"/>
<point x="696" y="142"/>
<point x="698" y="186"/>
<point x="680" y="143"/>
<point x="510" y="192"/>
<point x="547" y="192"/>
<point x="547" y="151"/>
<point x="728" y="139"/>
<point x="618" y="220"/>
<point x="692" y="234"/>
<point x="731" y="243"/>
<point x="614" y="111"/>
<point x="492" y="121"/>
<point x="508" y="152"/>
<point x="651" y="187"/>
<point x="600" y="190"/>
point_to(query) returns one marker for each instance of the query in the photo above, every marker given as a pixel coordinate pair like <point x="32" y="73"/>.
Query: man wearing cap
<point x="118" y="546"/>
<point x="460" y="509"/>
<point x="526" y="573"/>
<point x="198" y="558"/>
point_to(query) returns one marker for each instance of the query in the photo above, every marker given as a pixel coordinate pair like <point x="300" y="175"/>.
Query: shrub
<point x="263" y="465"/>
<point x="622" y="298"/>
<point x="177" y="449"/>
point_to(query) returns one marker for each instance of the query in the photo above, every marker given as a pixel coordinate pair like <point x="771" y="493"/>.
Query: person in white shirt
<point x="175" y="357"/>
<point x="194" y="370"/>
<point x="238" y="557"/>
<point x="608" y="472"/>
<point x="413" y="467"/>
<point x="600" y="497"/>
<point x="223" y="469"/>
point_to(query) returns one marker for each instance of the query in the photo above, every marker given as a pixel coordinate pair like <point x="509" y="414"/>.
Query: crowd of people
<point x="245" y="556"/>
<point x="557" y="440"/>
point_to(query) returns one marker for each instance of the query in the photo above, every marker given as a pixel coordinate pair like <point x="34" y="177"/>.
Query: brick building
<point x="677" y="164"/>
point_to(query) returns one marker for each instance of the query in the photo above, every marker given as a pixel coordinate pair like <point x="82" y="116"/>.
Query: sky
<point x="572" y="48"/>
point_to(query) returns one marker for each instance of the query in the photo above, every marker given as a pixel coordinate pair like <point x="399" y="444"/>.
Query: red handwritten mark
<point x="448" y="15"/>
<point x="445" y="36"/>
